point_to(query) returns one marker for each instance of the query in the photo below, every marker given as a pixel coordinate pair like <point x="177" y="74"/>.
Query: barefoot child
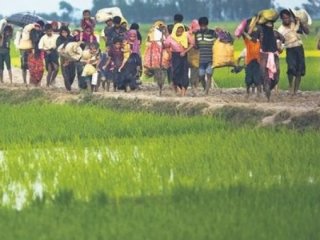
<point x="105" y="74"/>
<point x="48" y="44"/>
<point x="126" y="49"/>
<point x="87" y="21"/>
<point x="116" y="58"/>
<point x="90" y="71"/>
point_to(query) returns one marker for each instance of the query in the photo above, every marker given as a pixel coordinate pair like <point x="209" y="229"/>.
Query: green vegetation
<point x="88" y="172"/>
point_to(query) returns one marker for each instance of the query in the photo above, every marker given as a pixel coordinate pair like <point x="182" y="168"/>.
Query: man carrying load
<point x="291" y="29"/>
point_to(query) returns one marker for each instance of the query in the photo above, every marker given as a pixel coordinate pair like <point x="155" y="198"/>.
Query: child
<point x="76" y="35"/>
<point x="87" y="36"/>
<point x="90" y="71"/>
<point x="252" y="61"/>
<point x="126" y="49"/>
<point x="135" y="26"/>
<point x="116" y="58"/>
<point x="105" y="75"/>
<point x="48" y="43"/>
<point x="87" y="21"/>
<point x="5" y="58"/>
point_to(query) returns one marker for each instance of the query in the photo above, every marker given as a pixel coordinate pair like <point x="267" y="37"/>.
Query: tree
<point x="217" y="10"/>
<point x="99" y="4"/>
<point x="312" y="7"/>
<point x="66" y="11"/>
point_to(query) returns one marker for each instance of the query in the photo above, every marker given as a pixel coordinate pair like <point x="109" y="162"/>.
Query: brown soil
<point x="300" y="111"/>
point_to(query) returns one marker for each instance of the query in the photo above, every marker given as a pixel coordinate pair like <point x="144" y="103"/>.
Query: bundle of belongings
<point x="156" y="56"/>
<point x="106" y="14"/>
<point x="88" y="69"/>
<point x="71" y="51"/>
<point x="25" y="42"/>
<point x="303" y="16"/>
<point x="223" y="50"/>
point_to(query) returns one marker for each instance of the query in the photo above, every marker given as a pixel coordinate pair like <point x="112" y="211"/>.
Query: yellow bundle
<point x="267" y="15"/>
<point x="194" y="58"/>
<point x="88" y="70"/>
<point x="223" y="54"/>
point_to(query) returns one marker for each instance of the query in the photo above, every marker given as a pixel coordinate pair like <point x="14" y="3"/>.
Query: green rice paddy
<point x="87" y="172"/>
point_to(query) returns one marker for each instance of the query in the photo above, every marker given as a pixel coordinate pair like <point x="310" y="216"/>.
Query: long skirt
<point x="36" y="68"/>
<point x="180" y="70"/>
<point x="266" y="80"/>
<point x="129" y="73"/>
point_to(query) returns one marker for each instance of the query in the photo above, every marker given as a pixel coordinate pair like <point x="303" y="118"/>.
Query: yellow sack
<point x="223" y="54"/>
<point x="88" y="70"/>
<point x="194" y="58"/>
<point x="267" y="15"/>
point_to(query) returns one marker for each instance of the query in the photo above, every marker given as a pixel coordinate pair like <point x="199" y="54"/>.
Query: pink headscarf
<point x="135" y="43"/>
<point x="194" y="26"/>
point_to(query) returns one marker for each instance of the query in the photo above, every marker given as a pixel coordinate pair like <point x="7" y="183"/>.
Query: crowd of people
<point x="182" y="54"/>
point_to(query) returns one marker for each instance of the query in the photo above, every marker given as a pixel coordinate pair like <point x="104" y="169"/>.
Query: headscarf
<point x="194" y="26"/>
<point x="135" y="44"/>
<point x="158" y="24"/>
<point x="183" y="39"/>
<point x="123" y="21"/>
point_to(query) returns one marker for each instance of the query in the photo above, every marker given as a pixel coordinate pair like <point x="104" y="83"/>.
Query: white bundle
<point x="106" y="14"/>
<point x="304" y="16"/>
<point x="71" y="51"/>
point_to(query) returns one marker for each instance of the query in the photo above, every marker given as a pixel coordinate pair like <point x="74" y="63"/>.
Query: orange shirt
<point x="253" y="50"/>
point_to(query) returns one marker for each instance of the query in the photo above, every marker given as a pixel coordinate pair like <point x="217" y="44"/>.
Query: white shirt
<point x="292" y="38"/>
<point x="46" y="43"/>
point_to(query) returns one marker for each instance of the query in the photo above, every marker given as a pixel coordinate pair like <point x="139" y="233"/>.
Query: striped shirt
<point x="204" y="42"/>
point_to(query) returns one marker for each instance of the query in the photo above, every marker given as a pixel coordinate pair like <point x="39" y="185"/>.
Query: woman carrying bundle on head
<point x="270" y="41"/>
<point x="180" y="45"/>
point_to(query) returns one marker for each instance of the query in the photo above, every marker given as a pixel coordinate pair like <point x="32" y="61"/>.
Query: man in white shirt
<point x="292" y="29"/>
<point x="48" y="44"/>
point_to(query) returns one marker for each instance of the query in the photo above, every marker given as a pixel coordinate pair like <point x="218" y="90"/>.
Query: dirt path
<point x="303" y="103"/>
